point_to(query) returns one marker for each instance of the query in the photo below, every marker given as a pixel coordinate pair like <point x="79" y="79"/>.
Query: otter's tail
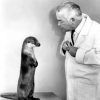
<point x="9" y="96"/>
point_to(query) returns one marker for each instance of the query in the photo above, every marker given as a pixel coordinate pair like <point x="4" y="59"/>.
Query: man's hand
<point x="67" y="46"/>
<point x="73" y="51"/>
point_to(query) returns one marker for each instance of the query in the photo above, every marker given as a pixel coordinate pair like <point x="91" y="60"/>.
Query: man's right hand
<point x="66" y="46"/>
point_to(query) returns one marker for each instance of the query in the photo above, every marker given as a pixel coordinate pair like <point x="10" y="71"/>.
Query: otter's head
<point x="29" y="44"/>
<point x="32" y="40"/>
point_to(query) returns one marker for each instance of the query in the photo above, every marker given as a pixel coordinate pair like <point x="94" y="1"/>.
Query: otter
<point x="29" y="63"/>
<point x="25" y="87"/>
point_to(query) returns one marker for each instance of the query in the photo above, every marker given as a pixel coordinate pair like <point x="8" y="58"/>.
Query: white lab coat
<point x="83" y="71"/>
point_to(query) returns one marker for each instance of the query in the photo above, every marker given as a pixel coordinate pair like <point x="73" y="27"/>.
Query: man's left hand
<point x="73" y="51"/>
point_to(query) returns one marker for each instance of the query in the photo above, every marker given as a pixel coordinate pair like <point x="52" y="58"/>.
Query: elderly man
<point x="81" y="48"/>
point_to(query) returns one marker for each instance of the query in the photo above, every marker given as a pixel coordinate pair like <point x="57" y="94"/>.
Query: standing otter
<point x="25" y="88"/>
<point x="29" y="63"/>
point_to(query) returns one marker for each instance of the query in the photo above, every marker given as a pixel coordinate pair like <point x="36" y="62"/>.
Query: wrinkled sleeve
<point x="67" y="37"/>
<point x="89" y="56"/>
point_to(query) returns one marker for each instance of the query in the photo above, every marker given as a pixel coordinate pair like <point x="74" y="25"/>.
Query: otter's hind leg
<point x="33" y="98"/>
<point x="30" y="97"/>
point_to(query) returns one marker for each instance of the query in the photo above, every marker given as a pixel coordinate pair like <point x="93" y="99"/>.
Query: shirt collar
<point x="80" y="26"/>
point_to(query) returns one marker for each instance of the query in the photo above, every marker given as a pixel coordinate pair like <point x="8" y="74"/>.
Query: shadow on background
<point x="57" y="30"/>
<point x="60" y="33"/>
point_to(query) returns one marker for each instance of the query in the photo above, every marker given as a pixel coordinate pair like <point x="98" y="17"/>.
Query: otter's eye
<point x="28" y="41"/>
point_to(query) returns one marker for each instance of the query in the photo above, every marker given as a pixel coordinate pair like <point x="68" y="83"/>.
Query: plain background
<point x="22" y="18"/>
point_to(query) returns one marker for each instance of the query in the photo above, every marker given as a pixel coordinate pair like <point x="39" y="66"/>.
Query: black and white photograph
<point x="50" y="50"/>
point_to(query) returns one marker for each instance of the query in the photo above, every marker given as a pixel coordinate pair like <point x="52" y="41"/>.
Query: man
<point x="81" y="47"/>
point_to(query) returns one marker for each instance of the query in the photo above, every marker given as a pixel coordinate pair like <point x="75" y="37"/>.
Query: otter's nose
<point x="38" y="44"/>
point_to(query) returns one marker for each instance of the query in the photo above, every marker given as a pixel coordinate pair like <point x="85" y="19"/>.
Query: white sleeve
<point x="90" y="56"/>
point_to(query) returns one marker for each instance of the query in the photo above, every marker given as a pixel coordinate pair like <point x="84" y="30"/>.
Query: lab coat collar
<point x="84" y="26"/>
<point x="80" y="26"/>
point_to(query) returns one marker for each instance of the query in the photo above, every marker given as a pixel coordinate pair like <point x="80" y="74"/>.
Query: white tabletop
<point x="42" y="96"/>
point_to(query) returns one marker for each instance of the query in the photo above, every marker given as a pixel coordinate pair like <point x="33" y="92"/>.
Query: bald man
<point x="81" y="48"/>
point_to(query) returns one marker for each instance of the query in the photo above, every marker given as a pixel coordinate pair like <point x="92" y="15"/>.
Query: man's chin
<point x="65" y="29"/>
<point x="62" y="28"/>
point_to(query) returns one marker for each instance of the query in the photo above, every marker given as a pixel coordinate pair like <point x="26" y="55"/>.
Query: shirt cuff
<point x="80" y="54"/>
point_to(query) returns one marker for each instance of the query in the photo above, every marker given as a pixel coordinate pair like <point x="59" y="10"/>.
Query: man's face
<point x="63" y="17"/>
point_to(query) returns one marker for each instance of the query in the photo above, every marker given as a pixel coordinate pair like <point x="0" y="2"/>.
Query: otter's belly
<point x="27" y="84"/>
<point x="29" y="77"/>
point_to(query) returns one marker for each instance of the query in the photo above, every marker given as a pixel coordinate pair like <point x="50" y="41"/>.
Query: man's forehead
<point x="65" y="13"/>
<point x="62" y="13"/>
